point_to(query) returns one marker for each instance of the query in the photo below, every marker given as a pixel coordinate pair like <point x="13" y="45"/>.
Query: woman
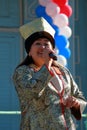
<point x="47" y="92"/>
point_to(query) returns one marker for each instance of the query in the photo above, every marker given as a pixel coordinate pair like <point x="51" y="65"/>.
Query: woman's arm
<point x="25" y="77"/>
<point x="80" y="102"/>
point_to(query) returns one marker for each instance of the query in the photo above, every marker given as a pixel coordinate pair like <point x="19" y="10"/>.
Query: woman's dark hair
<point x="28" y="60"/>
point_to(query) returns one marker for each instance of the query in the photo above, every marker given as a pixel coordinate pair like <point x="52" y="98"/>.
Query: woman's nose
<point x="43" y="46"/>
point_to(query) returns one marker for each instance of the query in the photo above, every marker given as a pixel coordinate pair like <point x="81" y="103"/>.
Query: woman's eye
<point x="46" y="44"/>
<point x="38" y="43"/>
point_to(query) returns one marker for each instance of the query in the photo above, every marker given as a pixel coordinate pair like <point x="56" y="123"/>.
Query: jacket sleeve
<point x="77" y="111"/>
<point x="24" y="77"/>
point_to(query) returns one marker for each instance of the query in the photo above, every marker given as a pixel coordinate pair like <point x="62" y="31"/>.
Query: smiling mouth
<point x="40" y="53"/>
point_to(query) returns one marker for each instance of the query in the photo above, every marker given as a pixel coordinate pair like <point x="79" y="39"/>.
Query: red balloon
<point x="66" y="9"/>
<point x="60" y="2"/>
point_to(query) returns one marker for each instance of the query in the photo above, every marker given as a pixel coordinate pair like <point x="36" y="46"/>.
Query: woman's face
<point x="37" y="50"/>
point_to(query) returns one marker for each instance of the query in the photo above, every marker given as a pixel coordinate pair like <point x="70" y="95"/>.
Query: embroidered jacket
<point x="40" y="104"/>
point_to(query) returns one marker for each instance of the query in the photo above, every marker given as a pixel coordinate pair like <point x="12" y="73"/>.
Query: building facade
<point x="14" y="13"/>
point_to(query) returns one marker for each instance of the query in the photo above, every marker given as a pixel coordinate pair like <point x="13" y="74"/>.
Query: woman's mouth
<point x="40" y="53"/>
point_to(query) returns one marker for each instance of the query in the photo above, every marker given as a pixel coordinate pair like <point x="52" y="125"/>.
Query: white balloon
<point x="62" y="60"/>
<point x="52" y="9"/>
<point x="68" y="44"/>
<point x="61" y="20"/>
<point x="56" y="50"/>
<point x="66" y="31"/>
<point x="44" y="2"/>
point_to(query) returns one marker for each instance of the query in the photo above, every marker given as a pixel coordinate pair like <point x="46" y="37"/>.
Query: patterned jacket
<point x="41" y="107"/>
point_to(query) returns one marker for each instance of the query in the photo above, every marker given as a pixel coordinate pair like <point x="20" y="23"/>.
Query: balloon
<point x="65" y="52"/>
<point x="62" y="60"/>
<point x="60" y="2"/>
<point x="54" y="27"/>
<point x="66" y="9"/>
<point x="67" y="45"/>
<point x="60" y="20"/>
<point x="44" y="2"/>
<point x="52" y="9"/>
<point x="60" y="41"/>
<point x="48" y="18"/>
<point x="66" y="31"/>
<point x="40" y="11"/>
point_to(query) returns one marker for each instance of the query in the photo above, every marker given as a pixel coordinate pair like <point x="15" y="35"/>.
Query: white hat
<point x="39" y="24"/>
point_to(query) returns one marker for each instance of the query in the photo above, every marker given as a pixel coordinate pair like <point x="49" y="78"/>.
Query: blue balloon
<point x="40" y="11"/>
<point x="48" y="18"/>
<point x="65" y="52"/>
<point x="61" y="41"/>
<point x="55" y="28"/>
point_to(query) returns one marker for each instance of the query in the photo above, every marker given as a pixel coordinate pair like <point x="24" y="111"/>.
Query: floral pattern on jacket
<point x="40" y="104"/>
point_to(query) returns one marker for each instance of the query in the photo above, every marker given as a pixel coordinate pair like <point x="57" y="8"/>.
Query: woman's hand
<point x="47" y="60"/>
<point x="70" y="102"/>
